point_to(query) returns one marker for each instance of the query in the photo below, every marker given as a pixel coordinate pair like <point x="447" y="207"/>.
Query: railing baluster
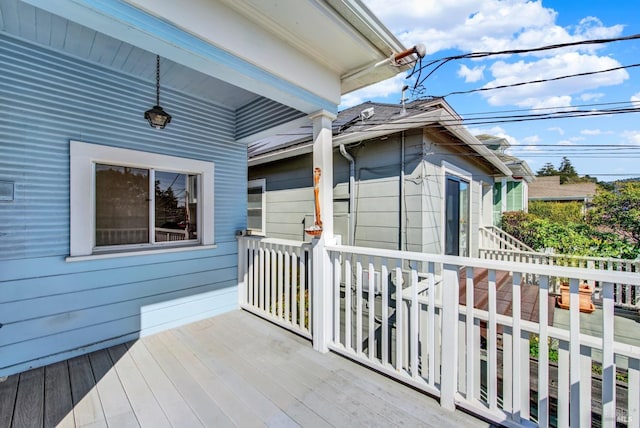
<point x="348" y="329"/>
<point x="473" y="346"/>
<point x="585" y="386"/>
<point x="543" y="353"/>
<point x="261" y="279"/>
<point x="273" y="285"/>
<point x="574" y="352"/>
<point x="517" y="379"/>
<point x="633" y="399"/>
<point x="384" y="282"/>
<point x="608" y="362"/>
<point x="371" y="340"/>
<point x="266" y="285"/>
<point x="492" y="345"/>
<point x="399" y="316"/>
<point x="280" y="279"/>
<point x="413" y="323"/>
<point x="252" y="274"/>
<point x="295" y="256"/>
<point x="431" y="326"/>
<point x="337" y="279"/>
<point x="304" y="321"/>
<point x="563" y="384"/>
<point x="287" y="284"/>
<point x="358" y="306"/>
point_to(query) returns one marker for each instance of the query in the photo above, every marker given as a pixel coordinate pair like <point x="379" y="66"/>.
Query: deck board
<point x="143" y="401"/>
<point x="8" y="392"/>
<point x="175" y="407"/>
<point x="58" y="404"/>
<point x="114" y="400"/>
<point x="29" y="405"/>
<point x="231" y="370"/>
<point x="87" y="409"/>
<point x="529" y="295"/>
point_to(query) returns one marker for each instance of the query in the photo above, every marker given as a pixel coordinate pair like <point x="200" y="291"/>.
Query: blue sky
<point x="606" y="146"/>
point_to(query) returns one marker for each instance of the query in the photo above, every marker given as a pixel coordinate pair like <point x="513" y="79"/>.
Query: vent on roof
<point x="367" y="113"/>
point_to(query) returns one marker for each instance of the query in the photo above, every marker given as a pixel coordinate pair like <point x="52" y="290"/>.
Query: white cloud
<point x="471" y="74"/>
<point x="531" y="148"/>
<point x="556" y="129"/>
<point x="566" y="143"/>
<point x="635" y="98"/>
<point x="496" y="131"/>
<point x="533" y="139"/>
<point x="385" y="88"/>
<point x="591" y="132"/>
<point x="589" y="96"/>
<point x="483" y="25"/>
<point x="632" y="137"/>
<point x="546" y="94"/>
<point x="576" y="139"/>
<point x="494" y="25"/>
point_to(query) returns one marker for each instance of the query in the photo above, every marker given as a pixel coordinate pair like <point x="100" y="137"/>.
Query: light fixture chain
<point x="157" y="80"/>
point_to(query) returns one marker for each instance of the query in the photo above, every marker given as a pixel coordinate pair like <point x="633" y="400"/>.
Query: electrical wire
<point x="513" y="85"/>
<point x="438" y="63"/>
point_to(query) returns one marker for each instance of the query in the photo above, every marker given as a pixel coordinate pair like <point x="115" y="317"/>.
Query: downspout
<point x="352" y="194"/>
<point x="402" y="207"/>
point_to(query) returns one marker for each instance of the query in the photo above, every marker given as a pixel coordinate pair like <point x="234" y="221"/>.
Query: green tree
<point x="547" y="170"/>
<point x="618" y="210"/>
<point x="567" y="172"/>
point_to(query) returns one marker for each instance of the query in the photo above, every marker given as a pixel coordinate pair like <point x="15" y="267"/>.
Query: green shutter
<point x="514" y="196"/>
<point x="497" y="203"/>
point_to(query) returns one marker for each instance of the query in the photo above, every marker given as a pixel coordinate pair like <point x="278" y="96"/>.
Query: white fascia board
<point x="208" y="37"/>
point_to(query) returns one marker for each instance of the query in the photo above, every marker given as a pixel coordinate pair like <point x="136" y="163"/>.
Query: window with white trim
<point x="256" y="206"/>
<point x="127" y="200"/>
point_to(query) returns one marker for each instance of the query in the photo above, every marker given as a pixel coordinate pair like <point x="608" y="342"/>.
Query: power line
<point x="475" y="55"/>
<point x="512" y="85"/>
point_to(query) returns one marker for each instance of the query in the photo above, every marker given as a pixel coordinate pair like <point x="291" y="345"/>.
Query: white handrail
<point x="495" y="238"/>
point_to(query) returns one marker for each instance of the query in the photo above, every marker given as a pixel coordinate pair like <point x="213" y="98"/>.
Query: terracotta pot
<point x="585" y="292"/>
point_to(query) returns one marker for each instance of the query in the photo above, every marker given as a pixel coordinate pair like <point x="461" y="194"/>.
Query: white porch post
<point x="323" y="159"/>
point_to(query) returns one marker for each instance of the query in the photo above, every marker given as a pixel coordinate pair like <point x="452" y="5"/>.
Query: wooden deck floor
<point x="232" y="370"/>
<point x="504" y="295"/>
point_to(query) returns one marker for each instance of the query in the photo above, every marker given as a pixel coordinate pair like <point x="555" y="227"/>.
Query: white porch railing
<point x="625" y="295"/>
<point x="495" y="238"/>
<point x="275" y="281"/>
<point x="400" y="313"/>
<point x="406" y="320"/>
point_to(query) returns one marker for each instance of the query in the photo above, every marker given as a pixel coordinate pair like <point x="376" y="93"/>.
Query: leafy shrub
<point x="560" y="212"/>
<point x="567" y="238"/>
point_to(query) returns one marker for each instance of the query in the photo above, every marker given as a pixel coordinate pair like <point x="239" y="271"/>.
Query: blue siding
<point x="51" y="309"/>
<point x="263" y="114"/>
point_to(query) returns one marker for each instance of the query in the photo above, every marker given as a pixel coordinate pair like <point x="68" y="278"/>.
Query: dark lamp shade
<point x="157" y="117"/>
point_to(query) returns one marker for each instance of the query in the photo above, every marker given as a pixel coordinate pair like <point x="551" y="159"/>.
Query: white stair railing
<point x="492" y="237"/>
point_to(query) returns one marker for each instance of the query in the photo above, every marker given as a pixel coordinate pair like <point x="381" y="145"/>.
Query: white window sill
<point x="144" y="252"/>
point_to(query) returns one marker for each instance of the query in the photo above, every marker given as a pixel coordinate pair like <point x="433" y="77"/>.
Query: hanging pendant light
<point x="157" y="117"/>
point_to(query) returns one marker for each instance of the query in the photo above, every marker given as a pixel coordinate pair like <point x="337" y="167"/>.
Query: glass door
<point x="457" y="217"/>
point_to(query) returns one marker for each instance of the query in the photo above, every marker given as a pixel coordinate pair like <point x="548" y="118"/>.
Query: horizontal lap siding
<point x="51" y="309"/>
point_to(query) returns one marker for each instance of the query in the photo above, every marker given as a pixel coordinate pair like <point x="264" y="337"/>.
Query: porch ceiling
<point x="39" y="26"/>
<point x="303" y="54"/>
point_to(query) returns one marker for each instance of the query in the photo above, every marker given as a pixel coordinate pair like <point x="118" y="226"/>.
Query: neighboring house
<point x="549" y="189"/>
<point x="509" y="193"/>
<point x="407" y="178"/>
<point x="110" y="229"/>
